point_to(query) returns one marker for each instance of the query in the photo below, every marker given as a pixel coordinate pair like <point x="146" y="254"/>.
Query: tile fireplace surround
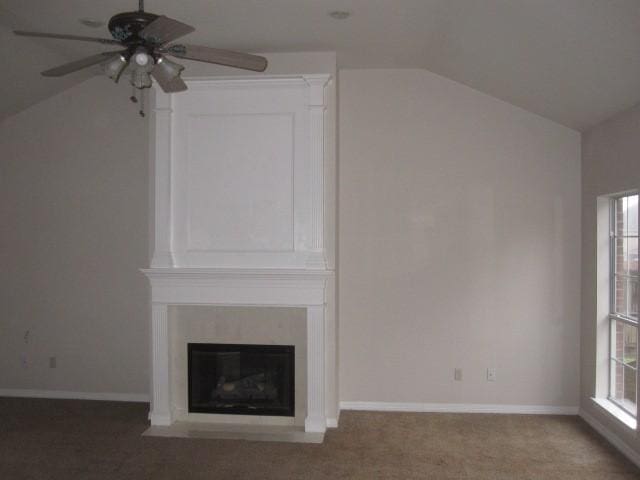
<point x="240" y="182"/>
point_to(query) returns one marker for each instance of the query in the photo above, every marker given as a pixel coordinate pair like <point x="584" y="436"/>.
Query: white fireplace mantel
<point x="239" y="184"/>
<point x="289" y="288"/>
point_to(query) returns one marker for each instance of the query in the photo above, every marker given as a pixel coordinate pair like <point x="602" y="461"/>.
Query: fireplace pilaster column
<point x="316" y="420"/>
<point x="160" y="169"/>
<point x="160" y="399"/>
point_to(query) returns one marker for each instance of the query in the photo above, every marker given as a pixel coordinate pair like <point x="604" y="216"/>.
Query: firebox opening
<point x="241" y="379"/>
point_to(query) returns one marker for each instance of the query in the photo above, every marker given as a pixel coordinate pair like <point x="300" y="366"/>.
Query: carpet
<point x="90" y="440"/>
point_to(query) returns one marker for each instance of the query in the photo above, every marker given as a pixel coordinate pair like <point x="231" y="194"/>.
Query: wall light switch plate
<point x="457" y="374"/>
<point x="491" y="374"/>
<point x="53" y="362"/>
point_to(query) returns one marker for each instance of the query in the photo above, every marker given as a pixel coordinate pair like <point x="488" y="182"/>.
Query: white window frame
<point x="615" y="316"/>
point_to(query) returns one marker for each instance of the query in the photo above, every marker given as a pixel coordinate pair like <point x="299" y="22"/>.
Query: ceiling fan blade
<point x="164" y="29"/>
<point x="80" y="64"/>
<point x="168" y="84"/>
<point x="219" y="57"/>
<point x="108" y="41"/>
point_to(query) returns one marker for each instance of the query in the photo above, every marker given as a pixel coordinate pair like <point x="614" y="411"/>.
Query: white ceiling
<point x="574" y="61"/>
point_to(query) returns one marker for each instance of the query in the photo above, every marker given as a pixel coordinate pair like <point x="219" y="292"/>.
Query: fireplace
<point x="241" y="379"/>
<point x="251" y="226"/>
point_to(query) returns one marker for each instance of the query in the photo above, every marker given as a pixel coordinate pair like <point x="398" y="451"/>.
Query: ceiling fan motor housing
<point x="125" y="27"/>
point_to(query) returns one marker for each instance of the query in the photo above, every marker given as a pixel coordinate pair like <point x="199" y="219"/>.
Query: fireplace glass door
<point x="241" y="379"/>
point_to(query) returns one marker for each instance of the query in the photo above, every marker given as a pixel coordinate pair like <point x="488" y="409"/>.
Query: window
<point x="623" y="316"/>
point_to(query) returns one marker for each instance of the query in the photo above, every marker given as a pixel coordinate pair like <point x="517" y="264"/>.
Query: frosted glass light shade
<point x="114" y="67"/>
<point x="140" y="79"/>
<point x="170" y="69"/>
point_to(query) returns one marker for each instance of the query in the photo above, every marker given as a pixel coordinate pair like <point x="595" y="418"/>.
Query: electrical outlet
<point x="457" y="374"/>
<point x="491" y="374"/>
<point x="53" y="362"/>
<point x="24" y="361"/>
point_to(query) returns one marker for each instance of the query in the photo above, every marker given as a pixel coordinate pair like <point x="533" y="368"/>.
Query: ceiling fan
<point x="145" y="40"/>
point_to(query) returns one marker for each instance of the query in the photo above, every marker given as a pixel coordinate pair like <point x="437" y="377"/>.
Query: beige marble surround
<point x="232" y="324"/>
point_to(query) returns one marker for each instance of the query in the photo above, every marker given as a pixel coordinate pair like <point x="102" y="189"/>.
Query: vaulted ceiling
<point x="574" y="61"/>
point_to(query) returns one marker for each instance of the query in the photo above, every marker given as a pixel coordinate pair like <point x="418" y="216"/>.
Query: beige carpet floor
<point x="63" y="439"/>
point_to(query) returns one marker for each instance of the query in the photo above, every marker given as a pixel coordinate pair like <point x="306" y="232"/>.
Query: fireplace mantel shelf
<point x="224" y="286"/>
<point x="230" y="273"/>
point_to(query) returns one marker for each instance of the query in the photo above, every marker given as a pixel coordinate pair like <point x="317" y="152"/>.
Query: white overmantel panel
<point x="238" y="167"/>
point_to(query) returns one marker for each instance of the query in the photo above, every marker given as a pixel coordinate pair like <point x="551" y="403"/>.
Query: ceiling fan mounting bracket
<point x="125" y="27"/>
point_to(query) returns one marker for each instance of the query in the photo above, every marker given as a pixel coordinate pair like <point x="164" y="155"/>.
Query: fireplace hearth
<point x="241" y="379"/>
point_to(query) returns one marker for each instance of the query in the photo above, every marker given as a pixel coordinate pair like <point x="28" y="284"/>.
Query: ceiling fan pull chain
<point x="133" y="97"/>
<point x="142" y="94"/>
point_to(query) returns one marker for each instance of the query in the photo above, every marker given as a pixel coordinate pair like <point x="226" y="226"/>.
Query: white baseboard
<point x="59" y="394"/>
<point x="332" y="423"/>
<point x="460" y="408"/>
<point x="611" y="437"/>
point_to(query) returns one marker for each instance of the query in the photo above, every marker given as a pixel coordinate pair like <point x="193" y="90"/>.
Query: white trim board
<point x="460" y="408"/>
<point x="611" y="437"/>
<point x="59" y="394"/>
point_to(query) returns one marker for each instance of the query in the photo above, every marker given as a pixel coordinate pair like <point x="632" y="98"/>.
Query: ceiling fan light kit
<point x="146" y="39"/>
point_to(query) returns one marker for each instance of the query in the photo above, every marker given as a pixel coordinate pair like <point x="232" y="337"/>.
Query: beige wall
<point x="610" y="164"/>
<point x="459" y="225"/>
<point x="73" y="210"/>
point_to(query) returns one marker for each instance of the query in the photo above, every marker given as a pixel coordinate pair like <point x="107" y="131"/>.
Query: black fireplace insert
<point x="241" y="379"/>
